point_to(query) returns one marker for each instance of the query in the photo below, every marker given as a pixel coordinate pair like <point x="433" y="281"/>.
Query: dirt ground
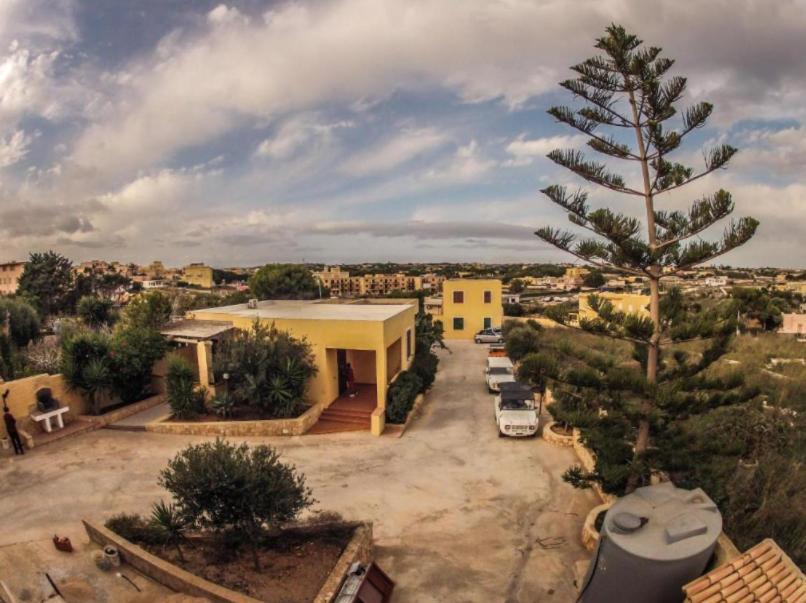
<point x="460" y="515"/>
<point x="293" y="567"/>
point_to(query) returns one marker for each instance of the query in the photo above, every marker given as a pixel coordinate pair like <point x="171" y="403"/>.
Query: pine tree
<point x="626" y="91"/>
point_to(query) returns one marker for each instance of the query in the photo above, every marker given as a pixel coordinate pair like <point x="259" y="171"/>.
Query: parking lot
<point x="460" y="515"/>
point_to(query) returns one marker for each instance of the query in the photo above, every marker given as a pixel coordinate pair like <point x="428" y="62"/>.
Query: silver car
<point x="489" y="336"/>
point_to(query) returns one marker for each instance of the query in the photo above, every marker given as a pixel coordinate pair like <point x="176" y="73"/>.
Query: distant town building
<point x="199" y="275"/>
<point x="629" y="303"/>
<point x="10" y="273"/>
<point x="512" y="298"/>
<point x="468" y="306"/>
<point x="793" y="324"/>
<point x="153" y="284"/>
<point x="716" y="281"/>
<point x="341" y="284"/>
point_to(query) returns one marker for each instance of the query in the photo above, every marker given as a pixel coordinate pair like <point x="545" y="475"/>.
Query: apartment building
<point x="467" y="306"/>
<point x="10" y="273"/>
<point x="341" y="284"/>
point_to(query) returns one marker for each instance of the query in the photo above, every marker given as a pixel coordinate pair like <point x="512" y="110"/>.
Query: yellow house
<point x="10" y="273"/>
<point x="376" y="337"/>
<point x="199" y="275"/>
<point x="629" y="303"/>
<point x="468" y="306"/>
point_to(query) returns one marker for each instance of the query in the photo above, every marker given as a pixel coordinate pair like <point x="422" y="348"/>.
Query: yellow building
<point x="199" y="275"/>
<point x="629" y="303"/>
<point x="468" y="306"/>
<point x="376" y="337"/>
<point x="10" y="273"/>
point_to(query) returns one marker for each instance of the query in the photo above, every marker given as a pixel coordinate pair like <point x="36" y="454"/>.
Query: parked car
<point x="499" y="370"/>
<point x="515" y="412"/>
<point x="489" y="336"/>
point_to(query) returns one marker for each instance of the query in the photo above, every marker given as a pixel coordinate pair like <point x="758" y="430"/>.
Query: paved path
<point x="459" y="514"/>
<point x="138" y="421"/>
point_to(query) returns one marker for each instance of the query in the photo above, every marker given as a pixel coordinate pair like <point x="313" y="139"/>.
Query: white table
<point x="47" y="416"/>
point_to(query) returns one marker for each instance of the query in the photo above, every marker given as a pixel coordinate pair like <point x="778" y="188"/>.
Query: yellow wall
<point x="628" y="303"/>
<point x="22" y="396"/>
<point x="327" y="336"/>
<point x="473" y="309"/>
<point x="199" y="275"/>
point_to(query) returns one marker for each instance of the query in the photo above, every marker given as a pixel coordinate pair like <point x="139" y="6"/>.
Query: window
<point x="408" y="343"/>
<point x="488" y="322"/>
<point x="488" y="297"/>
<point x="458" y="297"/>
<point x="458" y="324"/>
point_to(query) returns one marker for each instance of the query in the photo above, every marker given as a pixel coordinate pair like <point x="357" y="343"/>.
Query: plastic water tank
<point x="653" y="541"/>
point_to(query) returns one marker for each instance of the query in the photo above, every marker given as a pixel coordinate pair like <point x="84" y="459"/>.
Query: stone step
<point x="347" y="420"/>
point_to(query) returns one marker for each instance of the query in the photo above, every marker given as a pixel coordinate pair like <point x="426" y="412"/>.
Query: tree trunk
<point x="653" y="349"/>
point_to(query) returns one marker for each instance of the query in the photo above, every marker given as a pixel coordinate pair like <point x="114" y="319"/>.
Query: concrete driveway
<point x="459" y="514"/>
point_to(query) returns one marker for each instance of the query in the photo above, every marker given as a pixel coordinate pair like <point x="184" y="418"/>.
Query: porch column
<point x="204" y="355"/>
<point x="381" y="376"/>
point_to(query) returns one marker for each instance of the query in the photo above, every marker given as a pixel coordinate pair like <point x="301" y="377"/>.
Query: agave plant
<point x="169" y="520"/>
<point x="223" y="405"/>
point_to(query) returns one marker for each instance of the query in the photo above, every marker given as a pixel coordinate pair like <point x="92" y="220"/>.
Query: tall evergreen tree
<point x="626" y="91"/>
<point x="47" y="280"/>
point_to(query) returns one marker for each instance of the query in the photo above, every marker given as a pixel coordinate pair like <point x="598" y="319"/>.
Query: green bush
<point x="150" y="310"/>
<point x="185" y="399"/>
<point x="401" y="395"/>
<point x="424" y="366"/>
<point x="23" y="320"/>
<point x="222" y="486"/>
<point x="94" y="311"/>
<point x="86" y="365"/>
<point x="134" y="352"/>
<point x="521" y="341"/>
<point x="266" y="368"/>
<point x="135" y="528"/>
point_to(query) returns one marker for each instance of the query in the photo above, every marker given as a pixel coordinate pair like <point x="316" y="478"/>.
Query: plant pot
<point x="5" y="443"/>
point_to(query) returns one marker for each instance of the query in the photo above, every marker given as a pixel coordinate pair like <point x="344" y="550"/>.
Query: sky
<point x="248" y="132"/>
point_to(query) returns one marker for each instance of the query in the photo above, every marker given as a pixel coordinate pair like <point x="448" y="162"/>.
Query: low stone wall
<point x="163" y="572"/>
<point x="22" y="396"/>
<point x="359" y="549"/>
<point x="271" y="427"/>
<point x="552" y="437"/>
<point x="123" y="412"/>
<point x="397" y="429"/>
<point x="588" y="463"/>
<point x="590" y="536"/>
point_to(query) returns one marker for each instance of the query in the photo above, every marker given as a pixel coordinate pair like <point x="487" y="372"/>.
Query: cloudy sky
<point x="346" y="130"/>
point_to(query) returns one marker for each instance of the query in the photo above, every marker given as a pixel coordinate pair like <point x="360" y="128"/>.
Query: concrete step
<point x="347" y="420"/>
<point x="322" y="427"/>
<point x="347" y="415"/>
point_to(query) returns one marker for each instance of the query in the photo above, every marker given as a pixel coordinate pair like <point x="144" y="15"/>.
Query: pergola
<point x="201" y="334"/>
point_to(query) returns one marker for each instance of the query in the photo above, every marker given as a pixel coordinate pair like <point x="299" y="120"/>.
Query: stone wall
<point x="272" y="427"/>
<point x="22" y="396"/>
<point x="163" y="572"/>
<point x="359" y="549"/>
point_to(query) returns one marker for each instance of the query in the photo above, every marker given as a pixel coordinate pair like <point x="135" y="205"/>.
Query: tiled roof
<point x="764" y="573"/>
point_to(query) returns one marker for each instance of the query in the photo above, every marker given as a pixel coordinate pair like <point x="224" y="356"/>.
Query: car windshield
<point x="500" y="370"/>
<point x="516" y="405"/>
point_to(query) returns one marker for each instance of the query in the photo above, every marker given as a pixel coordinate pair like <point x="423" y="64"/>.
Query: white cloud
<point x="524" y="150"/>
<point x="401" y="149"/>
<point x="13" y="148"/>
<point x="297" y="133"/>
<point x="466" y="165"/>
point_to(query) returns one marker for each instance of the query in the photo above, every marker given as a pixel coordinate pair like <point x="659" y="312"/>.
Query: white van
<point x="499" y="370"/>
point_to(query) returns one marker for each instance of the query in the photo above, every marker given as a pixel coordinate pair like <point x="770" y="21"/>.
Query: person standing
<point x="350" y="381"/>
<point x="11" y="428"/>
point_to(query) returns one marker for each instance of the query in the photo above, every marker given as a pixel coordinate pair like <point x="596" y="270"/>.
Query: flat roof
<point x="312" y="310"/>
<point x="196" y="329"/>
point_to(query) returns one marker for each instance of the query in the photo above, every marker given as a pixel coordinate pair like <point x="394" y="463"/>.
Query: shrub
<point x="218" y="485"/>
<point x="167" y="519"/>
<point x="94" y="311"/>
<point x="185" y="399"/>
<point x="223" y="405"/>
<point x="424" y="366"/>
<point x="266" y="368"/>
<point x="135" y="528"/>
<point x="23" y="320"/>
<point x="401" y="395"/>
<point x="148" y="310"/>
<point x="85" y="365"/>
<point x="134" y="352"/>
<point x="514" y="310"/>
<point x="521" y="341"/>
